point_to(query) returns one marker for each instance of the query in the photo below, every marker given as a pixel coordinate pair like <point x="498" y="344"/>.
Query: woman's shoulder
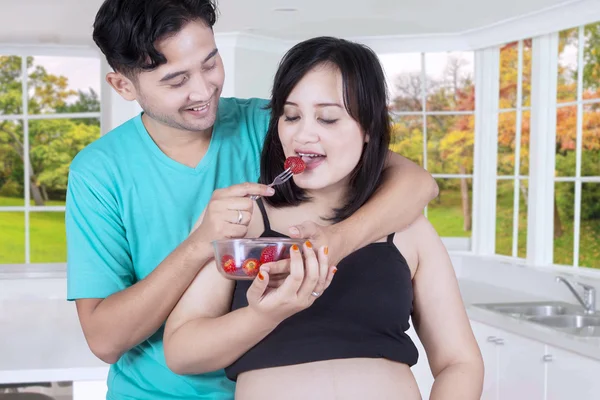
<point x="413" y="238"/>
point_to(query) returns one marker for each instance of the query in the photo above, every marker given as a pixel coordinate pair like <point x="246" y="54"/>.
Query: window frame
<point x="578" y="179"/>
<point x="540" y="221"/>
<point x="38" y="51"/>
<point x="485" y="43"/>
<point x="541" y="179"/>
<point x="516" y="176"/>
<point x="459" y="243"/>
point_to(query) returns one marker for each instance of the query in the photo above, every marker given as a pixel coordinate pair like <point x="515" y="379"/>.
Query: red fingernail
<point x="261" y="276"/>
<point x="294" y="247"/>
<point x="334" y="270"/>
<point x="326" y="250"/>
<point x="308" y="244"/>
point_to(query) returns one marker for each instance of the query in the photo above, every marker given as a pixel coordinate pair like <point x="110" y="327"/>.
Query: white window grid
<point x="578" y="180"/>
<point x="27" y="208"/>
<point x="424" y="113"/>
<point x="542" y="153"/>
<point x="516" y="177"/>
<point x="542" y="144"/>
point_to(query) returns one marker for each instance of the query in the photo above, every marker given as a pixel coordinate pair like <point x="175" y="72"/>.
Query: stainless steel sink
<point x="568" y="321"/>
<point x="561" y="316"/>
<point x="533" y="309"/>
<point x="530" y="309"/>
<point x="581" y="325"/>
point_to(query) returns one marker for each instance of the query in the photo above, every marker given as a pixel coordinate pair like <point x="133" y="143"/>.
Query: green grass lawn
<point x="14" y="202"/>
<point x="504" y="221"/>
<point x="47" y="234"/>
<point x="447" y="219"/>
<point x="48" y="243"/>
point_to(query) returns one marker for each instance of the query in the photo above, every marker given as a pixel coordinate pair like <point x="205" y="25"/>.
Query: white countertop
<point x="477" y="292"/>
<point x="41" y="339"/>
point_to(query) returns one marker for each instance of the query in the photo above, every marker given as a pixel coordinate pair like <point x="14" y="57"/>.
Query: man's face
<point x="184" y="92"/>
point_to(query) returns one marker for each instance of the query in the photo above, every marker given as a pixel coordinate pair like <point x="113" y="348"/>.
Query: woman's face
<point x="316" y="126"/>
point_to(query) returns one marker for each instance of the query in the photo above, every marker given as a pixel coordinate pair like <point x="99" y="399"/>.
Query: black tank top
<point x="363" y="314"/>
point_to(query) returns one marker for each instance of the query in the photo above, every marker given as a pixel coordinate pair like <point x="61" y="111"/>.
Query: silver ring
<point x="240" y="216"/>
<point x="316" y="294"/>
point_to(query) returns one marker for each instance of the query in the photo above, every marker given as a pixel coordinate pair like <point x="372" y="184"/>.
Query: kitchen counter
<point x="477" y="292"/>
<point x="41" y="341"/>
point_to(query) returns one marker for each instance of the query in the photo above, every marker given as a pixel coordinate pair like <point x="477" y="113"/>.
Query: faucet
<point x="589" y="295"/>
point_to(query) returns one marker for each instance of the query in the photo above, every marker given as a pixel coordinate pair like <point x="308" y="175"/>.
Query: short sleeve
<point x="261" y="115"/>
<point x="98" y="256"/>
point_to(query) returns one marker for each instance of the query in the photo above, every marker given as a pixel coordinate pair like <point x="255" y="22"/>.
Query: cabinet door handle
<point x="491" y="339"/>
<point x="499" y="342"/>
<point x="547" y="358"/>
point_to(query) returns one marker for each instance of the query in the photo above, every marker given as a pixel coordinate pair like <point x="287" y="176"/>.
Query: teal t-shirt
<point x="129" y="205"/>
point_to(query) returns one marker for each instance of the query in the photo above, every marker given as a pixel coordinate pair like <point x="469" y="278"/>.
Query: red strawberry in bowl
<point x="250" y="266"/>
<point x="295" y="164"/>
<point x="228" y="264"/>
<point x="269" y="254"/>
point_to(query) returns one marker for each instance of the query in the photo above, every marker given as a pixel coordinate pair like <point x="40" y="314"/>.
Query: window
<point x="49" y="110"/>
<point x="577" y="160"/>
<point x="432" y="99"/>
<point x="513" y="148"/>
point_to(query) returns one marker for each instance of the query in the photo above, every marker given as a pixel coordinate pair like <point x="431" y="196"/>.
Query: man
<point x="135" y="194"/>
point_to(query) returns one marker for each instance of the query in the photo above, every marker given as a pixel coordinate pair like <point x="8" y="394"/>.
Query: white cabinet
<point x="486" y="337"/>
<point x="514" y="366"/>
<point x="521" y="368"/>
<point x="571" y="376"/>
<point x="517" y="368"/>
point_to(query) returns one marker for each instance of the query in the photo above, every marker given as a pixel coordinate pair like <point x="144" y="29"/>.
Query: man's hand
<point x="321" y="235"/>
<point x="229" y="212"/>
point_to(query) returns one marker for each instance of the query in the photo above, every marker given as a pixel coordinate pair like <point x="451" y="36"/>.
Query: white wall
<point x="226" y="46"/>
<point x="254" y="72"/>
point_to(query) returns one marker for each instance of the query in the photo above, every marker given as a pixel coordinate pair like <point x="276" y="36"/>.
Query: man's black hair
<point x="126" y="31"/>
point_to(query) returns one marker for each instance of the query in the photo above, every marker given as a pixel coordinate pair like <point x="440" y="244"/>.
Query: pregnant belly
<point x="349" y="379"/>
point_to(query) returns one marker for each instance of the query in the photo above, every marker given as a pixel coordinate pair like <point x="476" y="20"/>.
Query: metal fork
<point x="279" y="179"/>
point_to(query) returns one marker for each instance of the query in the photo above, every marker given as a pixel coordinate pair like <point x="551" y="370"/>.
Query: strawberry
<point x="228" y="264"/>
<point x="250" y="266"/>
<point x="295" y="164"/>
<point x="285" y="254"/>
<point x="269" y="254"/>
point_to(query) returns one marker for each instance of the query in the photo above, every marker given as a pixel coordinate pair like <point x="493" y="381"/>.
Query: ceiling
<point x="70" y="21"/>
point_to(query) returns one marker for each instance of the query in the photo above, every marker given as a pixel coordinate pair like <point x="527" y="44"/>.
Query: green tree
<point x="86" y="102"/>
<point x="449" y="137"/>
<point x="591" y="57"/>
<point x="52" y="143"/>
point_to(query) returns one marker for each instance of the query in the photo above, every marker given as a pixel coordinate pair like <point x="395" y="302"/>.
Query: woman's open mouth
<point x="312" y="160"/>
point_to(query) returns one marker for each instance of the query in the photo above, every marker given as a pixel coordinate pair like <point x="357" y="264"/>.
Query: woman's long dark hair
<point x="365" y="99"/>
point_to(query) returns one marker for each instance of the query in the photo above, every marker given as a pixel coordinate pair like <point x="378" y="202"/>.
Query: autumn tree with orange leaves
<point x="450" y="137"/>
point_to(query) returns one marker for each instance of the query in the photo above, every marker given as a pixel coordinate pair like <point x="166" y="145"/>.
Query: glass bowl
<point x="241" y="259"/>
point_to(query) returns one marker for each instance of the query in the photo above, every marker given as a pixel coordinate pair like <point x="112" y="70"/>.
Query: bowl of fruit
<point x="241" y="258"/>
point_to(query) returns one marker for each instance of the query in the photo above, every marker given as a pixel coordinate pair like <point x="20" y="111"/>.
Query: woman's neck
<point x="319" y="209"/>
<point x="324" y="201"/>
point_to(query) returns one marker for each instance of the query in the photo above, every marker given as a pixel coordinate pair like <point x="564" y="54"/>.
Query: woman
<point x="317" y="336"/>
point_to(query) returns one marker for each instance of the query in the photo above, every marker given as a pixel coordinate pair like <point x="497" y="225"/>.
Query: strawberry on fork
<point x="293" y="166"/>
